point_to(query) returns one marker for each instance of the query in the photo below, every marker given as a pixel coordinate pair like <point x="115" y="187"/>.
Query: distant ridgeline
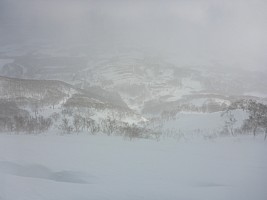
<point x="35" y="106"/>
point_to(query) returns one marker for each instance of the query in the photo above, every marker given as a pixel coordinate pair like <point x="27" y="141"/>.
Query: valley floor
<point x="51" y="167"/>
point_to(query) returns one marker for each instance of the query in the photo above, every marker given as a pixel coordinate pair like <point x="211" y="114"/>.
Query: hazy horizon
<point x="206" y="32"/>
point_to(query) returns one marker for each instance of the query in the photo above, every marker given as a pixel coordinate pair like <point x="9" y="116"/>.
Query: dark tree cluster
<point x="257" y="116"/>
<point x="27" y="124"/>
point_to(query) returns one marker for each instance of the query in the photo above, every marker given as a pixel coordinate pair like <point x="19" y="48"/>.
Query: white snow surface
<point x="54" y="167"/>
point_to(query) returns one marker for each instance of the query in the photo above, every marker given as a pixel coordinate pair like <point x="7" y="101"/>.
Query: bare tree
<point x="230" y="122"/>
<point x="257" y="115"/>
<point x="77" y="123"/>
<point x="109" y="125"/>
<point x="65" y="127"/>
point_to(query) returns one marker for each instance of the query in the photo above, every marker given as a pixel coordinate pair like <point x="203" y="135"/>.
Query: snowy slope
<point x="135" y="76"/>
<point x="69" y="167"/>
<point x="147" y="86"/>
<point x="57" y="100"/>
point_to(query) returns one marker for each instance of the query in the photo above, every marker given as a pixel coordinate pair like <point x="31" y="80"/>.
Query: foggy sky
<point x="227" y="33"/>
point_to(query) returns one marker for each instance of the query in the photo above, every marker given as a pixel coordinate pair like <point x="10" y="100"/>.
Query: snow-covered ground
<point x="53" y="167"/>
<point x="211" y="122"/>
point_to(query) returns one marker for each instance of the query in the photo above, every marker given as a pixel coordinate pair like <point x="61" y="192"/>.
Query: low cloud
<point x="232" y="33"/>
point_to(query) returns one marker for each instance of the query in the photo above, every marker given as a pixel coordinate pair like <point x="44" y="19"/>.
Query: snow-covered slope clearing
<point x="50" y="167"/>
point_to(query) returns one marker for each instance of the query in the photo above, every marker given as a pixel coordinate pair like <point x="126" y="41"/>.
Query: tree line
<point x="256" y="121"/>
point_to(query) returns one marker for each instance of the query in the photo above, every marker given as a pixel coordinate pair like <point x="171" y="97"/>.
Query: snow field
<point x="101" y="167"/>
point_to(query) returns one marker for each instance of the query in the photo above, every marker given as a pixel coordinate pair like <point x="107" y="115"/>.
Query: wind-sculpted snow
<point x="99" y="167"/>
<point x="41" y="172"/>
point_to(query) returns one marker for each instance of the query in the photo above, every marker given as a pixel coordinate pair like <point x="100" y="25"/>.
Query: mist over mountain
<point x="129" y="99"/>
<point x="141" y="57"/>
<point x="206" y="32"/>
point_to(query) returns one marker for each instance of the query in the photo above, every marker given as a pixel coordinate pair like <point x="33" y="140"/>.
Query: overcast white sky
<point x="227" y="32"/>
